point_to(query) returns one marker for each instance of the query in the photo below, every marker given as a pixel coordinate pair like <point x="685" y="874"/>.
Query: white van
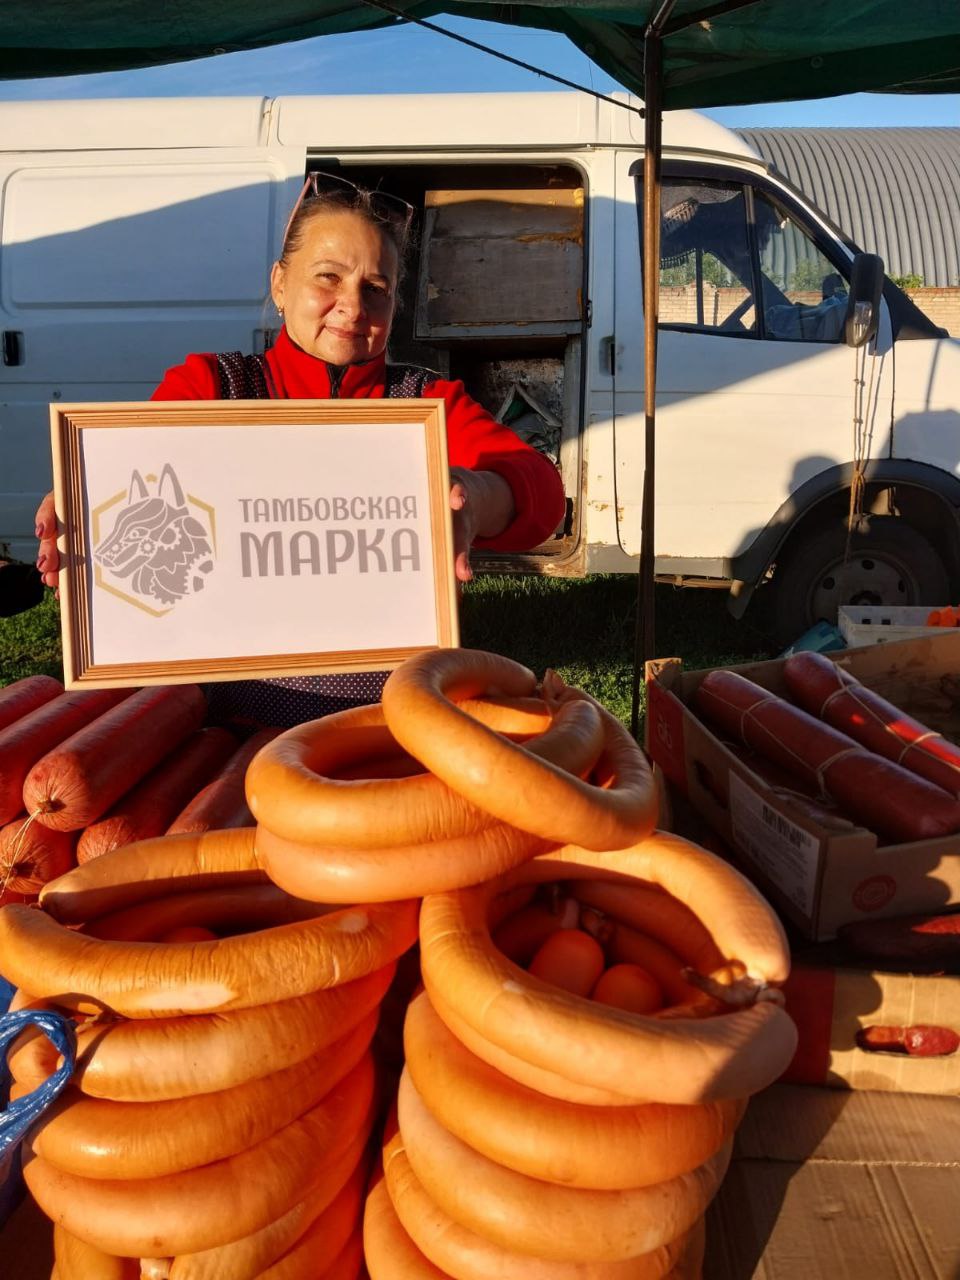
<point x="136" y="231"/>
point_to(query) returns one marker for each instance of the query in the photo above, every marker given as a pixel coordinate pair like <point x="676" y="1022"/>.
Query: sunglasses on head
<point x="343" y="192"/>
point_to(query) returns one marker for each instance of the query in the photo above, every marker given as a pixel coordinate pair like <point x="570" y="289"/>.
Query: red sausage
<point x="918" y="1042"/>
<point x="146" y="810"/>
<point x="883" y="796"/>
<point x="28" y="739"/>
<point x="222" y="803"/>
<point x="23" y="696"/>
<point x="31" y="854"/>
<point x="825" y="690"/>
<point x="79" y="780"/>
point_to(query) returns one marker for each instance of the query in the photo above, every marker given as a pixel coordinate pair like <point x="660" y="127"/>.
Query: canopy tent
<point x="672" y="53"/>
<point x="716" y="52"/>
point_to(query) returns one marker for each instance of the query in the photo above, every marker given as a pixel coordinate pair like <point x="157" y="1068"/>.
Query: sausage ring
<point x="93" y="1138"/>
<point x="219" y="1202"/>
<point x="461" y="1253"/>
<point x="292" y="789"/>
<point x="420" y="705"/>
<point x="601" y="1148"/>
<point x="563" y="1224"/>
<point x="245" y="1259"/>
<point x="645" y="1058"/>
<point x="152" y="1061"/>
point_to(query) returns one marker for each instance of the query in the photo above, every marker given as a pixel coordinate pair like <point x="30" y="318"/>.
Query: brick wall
<point x="941" y="305"/>
<point x="679" y="305"/>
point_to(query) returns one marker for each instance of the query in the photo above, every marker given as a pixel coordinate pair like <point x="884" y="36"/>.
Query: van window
<point x="723" y="243"/>
<point x="706" y="274"/>
<point x="813" y="305"/>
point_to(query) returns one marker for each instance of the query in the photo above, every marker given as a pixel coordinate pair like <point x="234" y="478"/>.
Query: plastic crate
<point x="879" y="624"/>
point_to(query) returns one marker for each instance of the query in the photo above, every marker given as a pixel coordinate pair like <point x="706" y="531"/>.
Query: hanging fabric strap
<point x="242" y="377"/>
<point x="406" y="381"/>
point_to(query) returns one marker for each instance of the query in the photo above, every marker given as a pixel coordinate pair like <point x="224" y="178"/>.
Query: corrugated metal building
<point x="896" y="192"/>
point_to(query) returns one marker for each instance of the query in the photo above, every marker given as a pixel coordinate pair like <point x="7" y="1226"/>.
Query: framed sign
<point x="216" y="540"/>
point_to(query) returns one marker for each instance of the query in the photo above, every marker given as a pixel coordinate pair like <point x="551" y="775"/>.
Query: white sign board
<point x="220" y="539"/>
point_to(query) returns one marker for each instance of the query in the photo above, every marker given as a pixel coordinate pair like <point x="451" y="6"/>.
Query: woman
<point x="335" y="288"/>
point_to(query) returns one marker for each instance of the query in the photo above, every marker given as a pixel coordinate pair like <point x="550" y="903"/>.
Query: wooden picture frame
<point x="241" y="539"/>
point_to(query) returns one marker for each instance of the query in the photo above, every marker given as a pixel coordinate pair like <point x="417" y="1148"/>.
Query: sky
<point x="412" y="60"/>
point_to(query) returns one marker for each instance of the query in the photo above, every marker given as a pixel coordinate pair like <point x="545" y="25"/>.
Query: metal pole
<point x="653" y="121"/>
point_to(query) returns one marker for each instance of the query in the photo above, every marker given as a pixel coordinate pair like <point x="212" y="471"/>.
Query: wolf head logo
<point x="156" y="543"/>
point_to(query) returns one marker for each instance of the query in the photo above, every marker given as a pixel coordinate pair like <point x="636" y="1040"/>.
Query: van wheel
<point x="889" y="564"/>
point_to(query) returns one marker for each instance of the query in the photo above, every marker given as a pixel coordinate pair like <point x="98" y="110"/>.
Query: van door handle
<point x="608" y="354"/>
<point x="12" y="347"/>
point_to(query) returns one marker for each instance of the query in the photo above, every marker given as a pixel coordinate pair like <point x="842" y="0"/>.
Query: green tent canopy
<point x="716" y="52"/>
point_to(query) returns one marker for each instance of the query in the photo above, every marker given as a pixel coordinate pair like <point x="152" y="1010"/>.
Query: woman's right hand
<point x="48" y="557"/>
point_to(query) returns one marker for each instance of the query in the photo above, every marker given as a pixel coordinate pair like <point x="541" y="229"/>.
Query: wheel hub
<point x="864" y="580"/>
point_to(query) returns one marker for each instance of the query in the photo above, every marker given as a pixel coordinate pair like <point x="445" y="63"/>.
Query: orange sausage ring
<point x="330" y="1201"/>
<point x="291" y="791"/>
<point x="93" y="1138"/>
<point x="378" y="875"/>
<point x="157" y="979"/>
<point x="77" y="1260"/>
<point x="388" y="1251"/>
<point x="462" y="1253"/>
<point x="566" y="1224"/>
<point x="298" y="1264"/>
<point x="151" y="869"/>
<point x="227" y="909"/>
<point x="178" y="1057"/>
<point x="219" y="1202"/>
<point x="539" y="1079"/>
<point x="153" y="980"/>
<point x="508" y="780"/>
<point x="660" y="915"/>
<point x="602" y="1148"/>
<point x="684" y="1060"/>
<point x="331" y="1249"/>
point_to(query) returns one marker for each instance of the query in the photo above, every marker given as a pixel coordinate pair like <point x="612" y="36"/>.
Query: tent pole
<point x="645" y="648"/>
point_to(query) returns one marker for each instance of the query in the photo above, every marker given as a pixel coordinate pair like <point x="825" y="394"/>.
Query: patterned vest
<point x="247" y="377"/>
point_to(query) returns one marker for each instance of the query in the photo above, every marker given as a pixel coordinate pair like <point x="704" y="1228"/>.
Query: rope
<point x="749" y="714"/>
<point x="870" y="713"/>
<point x="862" y="411"/>
<point x="10" y="867"/>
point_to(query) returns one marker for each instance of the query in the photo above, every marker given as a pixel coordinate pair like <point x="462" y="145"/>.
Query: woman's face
<point x="338" y="288"/>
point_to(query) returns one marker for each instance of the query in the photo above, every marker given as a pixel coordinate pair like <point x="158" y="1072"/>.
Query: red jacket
<point x="474" y="439"/>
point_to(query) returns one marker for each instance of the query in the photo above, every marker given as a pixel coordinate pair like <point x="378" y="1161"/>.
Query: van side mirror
<point x="863" y="309"/>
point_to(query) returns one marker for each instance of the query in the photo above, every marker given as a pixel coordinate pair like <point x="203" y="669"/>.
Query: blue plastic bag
<point x="17" y="1116"/>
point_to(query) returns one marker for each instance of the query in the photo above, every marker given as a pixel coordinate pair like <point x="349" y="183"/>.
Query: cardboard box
<point x="823" y="1185"/>
<point x="882" y="624"/>
<point x="819" y="875"/>
<point x="831" y="1004"/>
<point x="826" y="1185"/>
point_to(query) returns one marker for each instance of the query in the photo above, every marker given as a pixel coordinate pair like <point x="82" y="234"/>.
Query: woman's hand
<point x="482" y="506"/>
<point x="48" y="557"/>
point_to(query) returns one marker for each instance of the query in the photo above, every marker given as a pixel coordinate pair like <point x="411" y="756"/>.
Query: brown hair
<point x="339" y="200"/>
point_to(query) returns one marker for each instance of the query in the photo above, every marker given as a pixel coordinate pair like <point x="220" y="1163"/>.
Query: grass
<point x="30" y="642"/>
<point x="583" y="628"/>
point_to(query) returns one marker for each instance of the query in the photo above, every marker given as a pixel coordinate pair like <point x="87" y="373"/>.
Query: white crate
<point x="879" y="624"/>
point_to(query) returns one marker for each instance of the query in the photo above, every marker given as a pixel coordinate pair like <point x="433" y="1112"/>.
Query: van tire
<point x="890" y="563"/>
